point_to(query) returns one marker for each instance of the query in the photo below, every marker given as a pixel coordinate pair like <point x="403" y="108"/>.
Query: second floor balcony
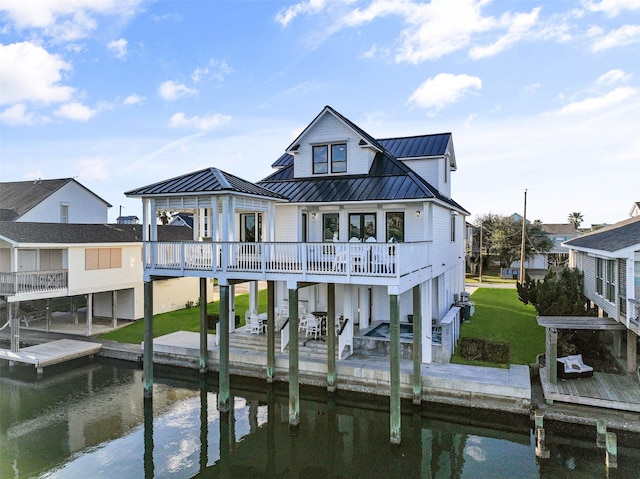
<point x="346" y="262"/>
<point x="30" y="282"/>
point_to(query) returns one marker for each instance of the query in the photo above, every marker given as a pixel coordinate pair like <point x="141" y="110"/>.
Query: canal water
<point x="87" y="419"/>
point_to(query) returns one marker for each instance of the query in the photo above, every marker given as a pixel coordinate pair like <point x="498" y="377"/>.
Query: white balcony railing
<point x="341" y="259"/>
<point x="33" y="282"/>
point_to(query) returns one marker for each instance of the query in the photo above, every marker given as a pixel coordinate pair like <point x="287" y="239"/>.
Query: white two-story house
<point x="359" y="230"/>
<point x="373" y="217"/>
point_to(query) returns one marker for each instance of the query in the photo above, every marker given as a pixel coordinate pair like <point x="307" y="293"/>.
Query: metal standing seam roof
<point x="422" y="146"/>
<point x="388" y="180"/>
<point x="75" y="233"/>
<point x="208" y="180"/>
<point x="624" y="234"/>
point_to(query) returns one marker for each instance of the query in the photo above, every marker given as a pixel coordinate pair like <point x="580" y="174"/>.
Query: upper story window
<point x="334" y="155"/>
<point x="64" y="212"/>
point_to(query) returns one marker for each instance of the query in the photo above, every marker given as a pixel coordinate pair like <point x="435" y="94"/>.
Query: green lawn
<point x="500" y="316"/>
<point x="180" y="320"/>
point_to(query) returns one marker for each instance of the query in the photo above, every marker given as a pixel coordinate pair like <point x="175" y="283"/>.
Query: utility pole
<point x="481" y="229"/>
<point x="524" y="231"/>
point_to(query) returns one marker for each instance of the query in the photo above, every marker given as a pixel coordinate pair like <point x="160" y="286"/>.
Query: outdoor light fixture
<point x="313" y="215"/>
<point x="454" y="213"/>
<point x="418" y="213"/>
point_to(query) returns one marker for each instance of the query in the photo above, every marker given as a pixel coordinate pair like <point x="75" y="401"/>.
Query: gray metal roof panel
<point x="417" y="146"/>
<point x="204" y="181"/>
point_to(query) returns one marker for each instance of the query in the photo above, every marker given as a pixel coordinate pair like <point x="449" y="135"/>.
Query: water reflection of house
<point x="355" y="227"/>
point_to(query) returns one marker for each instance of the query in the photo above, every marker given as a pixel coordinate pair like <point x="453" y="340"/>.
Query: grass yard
<point x="180" y="320"/>
<point x="500" y="316"/>
<point x="490" y="275"/>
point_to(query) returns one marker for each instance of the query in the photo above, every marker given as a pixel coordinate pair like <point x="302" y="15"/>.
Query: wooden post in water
<point x="541" y="449"/>
<point x="417" y="346"/>
<point x="14" y="321"/>
<point x="612" y="450"/>
<point x="601" y="433"/>
<point x="294" y="357"/>
<point x="148" y="340"/>
<point x="394" y="399"/>
<point x="331" y="337"/>
<point x="271" y="331"/>
<point x="203" y="326"/>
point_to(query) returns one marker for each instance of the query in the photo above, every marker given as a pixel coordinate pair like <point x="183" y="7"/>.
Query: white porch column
<point x="271" y="223"/>
<point x="197" y="224"/>
<point x="426" y="307"/>
<point x="153" y="223"/>
<point x="225" y="219"/>
<point x="215" y="220"/>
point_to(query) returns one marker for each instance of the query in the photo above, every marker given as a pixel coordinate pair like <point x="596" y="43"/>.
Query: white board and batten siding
<point x="330" y="130"/>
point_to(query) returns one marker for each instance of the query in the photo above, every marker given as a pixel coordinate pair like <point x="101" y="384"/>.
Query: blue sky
<point x="542" y="96"/>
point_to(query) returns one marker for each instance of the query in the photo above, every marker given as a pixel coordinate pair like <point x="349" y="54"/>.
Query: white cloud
<point x="92" y="169"/>
<point x="118" y="47"/>
<point x="75" y="111"/>
<point x="532" y="87"/>
<point x="613" y="76"/>
<point x="518" y="26"/>
<point x="134" y="100"/>
<point x="171" y="90"/>
<point x="64" y="20"/>
<point x="286" y="15"/>
<point x="199" y="73"/>
<point x="625" y="35"/>
<point x="17" y="115"/>
<point x="201" y="123"/>
<point x="611" y="8"/>
<point x="443" y="89"/>
<point x="30" y="73"/>
<point x="604" y="102"/>
<point x="217" y="69"/>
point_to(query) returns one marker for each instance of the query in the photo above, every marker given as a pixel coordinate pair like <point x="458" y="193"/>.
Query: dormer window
<point x="335" y="154"/>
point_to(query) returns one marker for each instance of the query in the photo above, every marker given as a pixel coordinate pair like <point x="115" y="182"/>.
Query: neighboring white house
<point x="373" y="219"/>
<point x="54" y="243"/>
<point x="610" y="261"/>
<point x="61" y="200"/>
<point x="42" y="261"/>
<point x="635" y="209"/>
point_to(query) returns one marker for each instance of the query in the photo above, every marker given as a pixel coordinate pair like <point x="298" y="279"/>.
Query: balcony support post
<point x="148" y="340"/>
<point x="394" y="338"/>
<point x="331" y="337"/>
<point x="294" y="345"/>
<point x="417" y="346"/>
<point x="202" y="365"/>
<point x="271" y="331"/>
<point x="223" y="335"/>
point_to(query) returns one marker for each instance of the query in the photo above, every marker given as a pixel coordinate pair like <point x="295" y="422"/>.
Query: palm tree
<point x="575" y="219"/>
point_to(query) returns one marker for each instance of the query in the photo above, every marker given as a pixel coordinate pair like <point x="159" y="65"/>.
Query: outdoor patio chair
<point x="313" y="326"/>
<point x="257" y="326"/>
<point x="572" y="367"/>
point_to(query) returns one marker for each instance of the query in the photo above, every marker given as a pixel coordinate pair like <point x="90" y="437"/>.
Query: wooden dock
<point x="612" y="391"/>
<point x="54" y="352"/>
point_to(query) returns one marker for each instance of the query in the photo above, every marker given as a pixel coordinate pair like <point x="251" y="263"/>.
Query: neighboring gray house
<point x="610" y="261"/>
<point x="61" y="200"/>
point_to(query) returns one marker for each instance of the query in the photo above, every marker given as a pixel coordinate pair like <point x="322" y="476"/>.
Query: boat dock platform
<point x="54" y="352"/>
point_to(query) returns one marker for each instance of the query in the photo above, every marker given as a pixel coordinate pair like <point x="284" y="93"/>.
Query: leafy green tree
<point x="502" y="238"/>
<point x="575" y="219"/>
